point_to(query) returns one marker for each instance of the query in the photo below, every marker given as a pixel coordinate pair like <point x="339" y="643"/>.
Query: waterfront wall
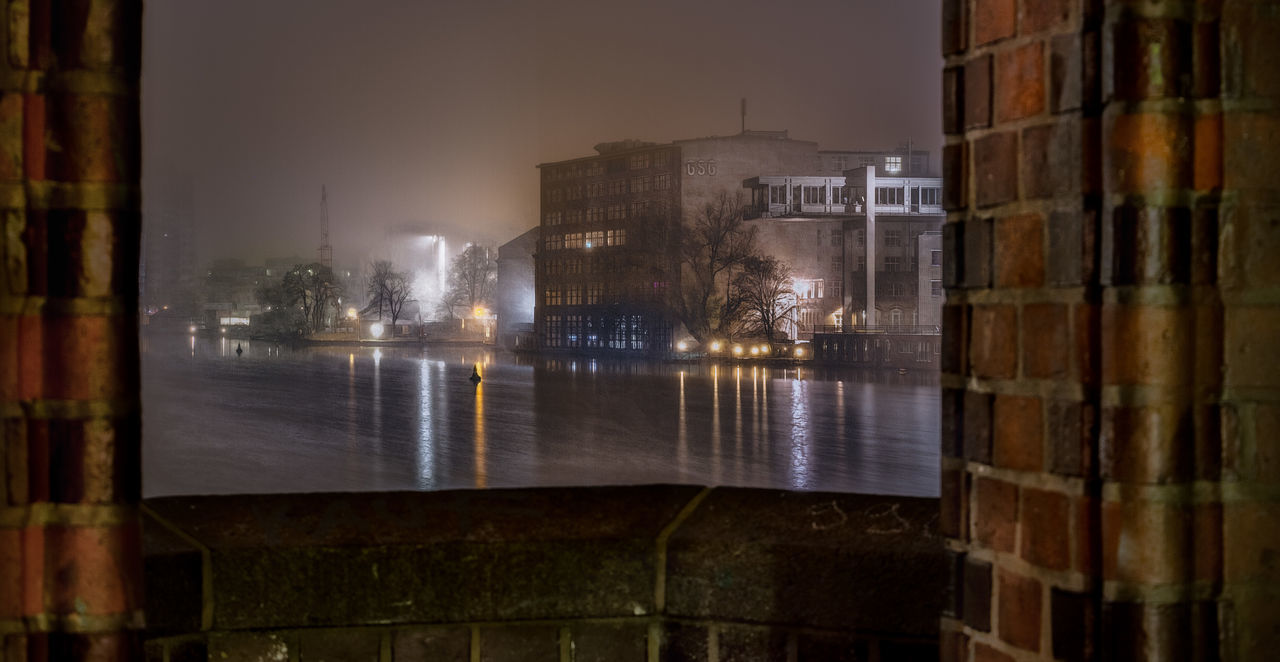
<point x="608" y="573"/>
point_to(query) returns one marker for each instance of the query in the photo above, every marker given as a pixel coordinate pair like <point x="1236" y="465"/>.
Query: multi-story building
<point x="905" y="161"/>
<point x="515" y="291"/>
<point x="611" y="232"/>
<point x="611" y="226"/>
<point x="883" y="230"/>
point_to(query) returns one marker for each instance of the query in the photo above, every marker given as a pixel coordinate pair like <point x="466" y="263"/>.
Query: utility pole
<point x="326" y="251"/>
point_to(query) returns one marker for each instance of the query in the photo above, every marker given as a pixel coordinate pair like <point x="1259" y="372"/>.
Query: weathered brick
<point x="1051" y="160"/>
<point x="955" y="334"/>
<point x="1207" y="533"/>
<point x="1151" y="59"/>
<point x="977" y="595"/>
<point x="607" y="642"/>
<point x="1148" y="444"/>
<point x="1019" y="599"/>
<point x="98" y="569"/>
<point x="995" y="518"/>
<point x="993" y="20"/>
<point x="955" y="176"/>
<point x="977" y="426"/>
<point x="977" y="252"/>
<point x="1207" y="159"/>
<point x="955" y="27"/>
<point x="247" y="646"/>
<point x="1206" y="61"/>
<point x="1146" y="152"/>
<point x="747" y="644"/>
<point x="520" y="643"/>
<point x="1249" y="156"/>
<point x="685" y="642"/>
<point x="1148" y="246"/>
<point x="820" y="647"/>
<point x="1018" y="252"/>
<point x="1066" y="253"/>
<point x="1046" y="528"/>
<point x="1250" y="63"/>
<point x="993" y="347"/>
<point x="1019" y="75"/>
<point x="977" y="93"/>
<point x="995" y="165"/>
<point x="1046" y="338"/>
<point x="1088" y="341"/>
<point x="952" y="259"/>
<point x="1066" y="75"/>
<point x="951" y="518"/>
<point x="93" y="138"/>
<point x="952" y="101"/>
<point x="1137" y="340"/>
<point x="1041" y="15"/>
<point x="1249" y="246"/>
<point x="1018" y="439"/>
<point x="11" y="108"/>
<point x="429" y="644"/>
<point x="339" y="645"/>
<point x="1068" y="424"/>
<point x="953" y="605"/>
<point x="1250" y="532"/>
<point x="1136" y="630"/>
<point x="1071" y="625"/>
<point x="1142" y="542"/>
<point x="954" y="647"/>
<point x="11" y="574"/>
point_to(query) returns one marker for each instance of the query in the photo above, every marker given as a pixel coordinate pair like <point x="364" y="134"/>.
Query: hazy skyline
<point x="436" y="114"/>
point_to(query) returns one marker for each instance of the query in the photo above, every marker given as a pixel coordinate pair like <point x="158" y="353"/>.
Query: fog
<point x="434" y="115"/>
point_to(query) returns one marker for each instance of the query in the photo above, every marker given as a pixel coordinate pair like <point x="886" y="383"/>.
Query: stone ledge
<point x="833" y="561"/>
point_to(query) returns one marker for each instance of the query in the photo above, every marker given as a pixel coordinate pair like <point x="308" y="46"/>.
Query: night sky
<point x="435" y="114"/>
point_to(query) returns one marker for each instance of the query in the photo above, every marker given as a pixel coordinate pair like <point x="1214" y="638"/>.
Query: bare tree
<point x="716" y="243"/>
<point x="765" y="287"/>
<point x="398" y="292"/>
<point x="377" y="288"/>
<point x="315" y="290"/>
<point x="473" y="277"/>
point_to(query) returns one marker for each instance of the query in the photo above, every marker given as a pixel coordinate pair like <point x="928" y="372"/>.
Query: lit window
<point x="893" y="164"/>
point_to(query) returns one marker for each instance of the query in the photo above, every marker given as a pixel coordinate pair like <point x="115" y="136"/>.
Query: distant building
<point x="515" y="290"/>
<point x="611" y="231"/>
<point x="903" y="161"/>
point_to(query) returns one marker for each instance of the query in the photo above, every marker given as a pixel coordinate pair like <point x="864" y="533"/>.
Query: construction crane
<point x="326" y="251"/>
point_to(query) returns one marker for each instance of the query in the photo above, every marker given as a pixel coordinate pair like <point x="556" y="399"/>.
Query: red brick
<point x="955" y="176"/>
<point x="87" y="358"/>
<point x="31" y="357"/>
<point x="1041" y="15"/>
<point x="1019" y="436"/>
<point x="954" y="647"/>
<point x="1020" y="82"/>
<point x="1143" y="542"/>
<point x="1088" y="518"/>
<point x="1148" y="152"/>
<point x="1148" y="445"/>
<point x="33" y="570"/>
<point x="1019" y="607"/>
<point x="1206" y="60"/>
<point x="1251" y="533"/>
<point x="1046" y="528"/>
<point x="977" y="93"/>
<point x="1151" y="59"/>
<point x="1046" y="335"/>
<point x="1208" y="542"/>
<point x="993" y="349"/>
<point x="1208" y="152"/>
<point x="1087" y="341"/>
<point x="995" y="166"/>
<point x="1250" y="158"/>
<point x="9" y="358"/>
<point x="10" y="574"/>
<point x="951" y="519"/>
<point x="90" y="132"/>
<point x="953" y="100"/>
<point x="1251" y="28"/>
<point x="1139" y="342"/>
<point x="1019" y="251"/>
<point x="11" y="140"/>
<point x="33" y="138"/>
<point x="98" y="569"/>
<point x="985" y="653"/>
<point x="1149" y="246"/>
<point x="955" y="27"/>
<point x="993" y="20"/>
<point x="996" y="514"/>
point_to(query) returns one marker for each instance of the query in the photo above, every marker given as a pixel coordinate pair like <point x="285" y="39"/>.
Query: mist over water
<point x="274" y="419"/>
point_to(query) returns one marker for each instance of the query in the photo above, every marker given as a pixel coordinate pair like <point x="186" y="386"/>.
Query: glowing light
<point x="755" y="351"/>
<point x="351" y="313"/>
<point x="223" y="330"/>
<point x="193" y="328"/>
<point x="764" y="349"/>
<point x="682" y="346"/>
<point x="799" y="351"/>
<point x="737" y="349"/>
<point x="376" y="329"/>
<point x="479" y="312"/>
<point x="715" y="345"/>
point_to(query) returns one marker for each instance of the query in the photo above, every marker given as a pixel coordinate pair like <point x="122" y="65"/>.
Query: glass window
<point x="935" y="288"/>
<point x="892" y="263"/>
<point x="893" y="164"/>
<point x="935" y="258"/>
<point x="893" y="238"/>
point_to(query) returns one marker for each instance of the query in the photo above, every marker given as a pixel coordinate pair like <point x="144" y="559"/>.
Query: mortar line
<point x="660" y="583"/>
<point x="206" y="565"/>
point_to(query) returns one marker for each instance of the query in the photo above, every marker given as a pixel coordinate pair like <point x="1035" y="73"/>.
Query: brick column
<point x="1111" y="434"/>
<point x="70" y="563"/>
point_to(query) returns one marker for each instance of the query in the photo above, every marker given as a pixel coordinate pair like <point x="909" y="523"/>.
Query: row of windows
<point x="640" y="184"/>
<point x="630" y="332"/>
<point x="614" y="212"/>
<point x="893" y="195"/>
<point x="597" y="168"/>
<point x="593" y="239"/>
<point x="577" y="295"/>
<point x="817" y="288"/>
<point x="812" y="195"/>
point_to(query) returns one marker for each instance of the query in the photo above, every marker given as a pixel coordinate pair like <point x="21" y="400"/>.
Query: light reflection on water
<point x="358" y="418"/>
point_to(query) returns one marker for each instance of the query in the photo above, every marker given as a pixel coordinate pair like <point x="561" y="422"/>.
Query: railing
<point x="903" y="329"/>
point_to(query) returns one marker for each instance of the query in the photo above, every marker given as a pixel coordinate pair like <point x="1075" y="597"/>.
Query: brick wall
<point x="1109" y="427"/>
<point x="70" y="560"/>
<point x="575" y="574"/>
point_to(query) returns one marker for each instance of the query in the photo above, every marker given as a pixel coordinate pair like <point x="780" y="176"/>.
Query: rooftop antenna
<point x="744" y="115"/>
<point x="326" y="251"/>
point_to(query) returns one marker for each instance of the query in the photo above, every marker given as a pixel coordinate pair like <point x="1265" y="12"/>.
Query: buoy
<point x="475" y="374"/>
<point x="238" y="350"/>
